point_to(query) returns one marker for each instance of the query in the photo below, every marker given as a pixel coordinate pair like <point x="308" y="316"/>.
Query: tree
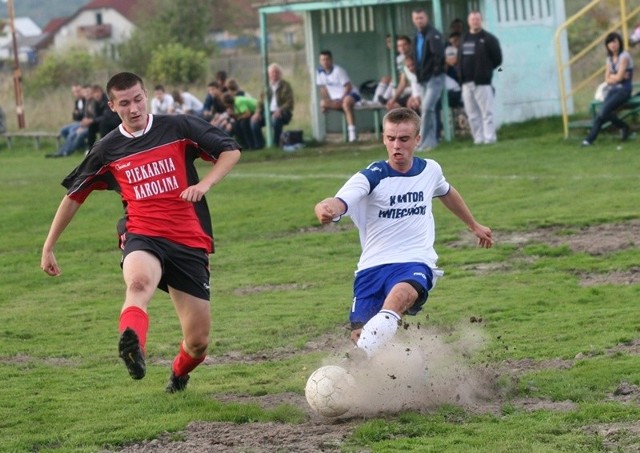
<point x="175" y="64"/>
<point x="185" y="23"/>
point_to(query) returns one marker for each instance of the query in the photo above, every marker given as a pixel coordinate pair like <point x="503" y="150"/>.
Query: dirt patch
<point x="200" y="437"/>
<point x="630" y="277"/>
<point x="423" y="370"/>
<point x="621" y="437"/>
<point x="595" y="240"/>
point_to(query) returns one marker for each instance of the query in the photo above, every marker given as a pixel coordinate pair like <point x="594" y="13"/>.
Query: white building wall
<point x="69" y="35"/>
<point x="528" y="85"/>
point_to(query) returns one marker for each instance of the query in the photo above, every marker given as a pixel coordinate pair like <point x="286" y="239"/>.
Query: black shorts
<point x="183" y="268"/>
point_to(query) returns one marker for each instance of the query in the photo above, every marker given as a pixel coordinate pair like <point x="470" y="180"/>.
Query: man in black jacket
<point x="478" y="56"/>
<point x="429" y="59"/>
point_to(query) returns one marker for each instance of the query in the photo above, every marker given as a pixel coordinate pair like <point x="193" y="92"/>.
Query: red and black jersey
<point x="150" y="172"/>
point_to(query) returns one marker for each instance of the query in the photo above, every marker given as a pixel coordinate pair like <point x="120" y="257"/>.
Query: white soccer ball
<point x="328" y="390"/>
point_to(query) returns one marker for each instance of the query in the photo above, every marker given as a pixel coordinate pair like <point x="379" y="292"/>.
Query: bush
<point x="76" y="66"/>
<point x="175" y="64"/>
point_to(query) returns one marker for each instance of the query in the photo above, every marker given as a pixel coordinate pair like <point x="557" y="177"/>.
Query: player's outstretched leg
<point x="131" y="353"/>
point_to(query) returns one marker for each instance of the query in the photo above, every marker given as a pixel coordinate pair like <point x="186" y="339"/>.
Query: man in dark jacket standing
<point x="478" y="56"/>
<point x="429" y="60"/>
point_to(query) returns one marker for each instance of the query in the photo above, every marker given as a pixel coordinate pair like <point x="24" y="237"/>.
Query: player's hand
<point x="325" y="213"/>
<point x="194" y="193"/>
<point x="484" y="235"/>
<point x="49" y="264"/>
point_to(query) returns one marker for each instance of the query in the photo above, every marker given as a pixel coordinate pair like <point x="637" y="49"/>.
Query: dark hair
<point x="221" y="75"/>
<point x="613" y="36"/>
<point x="327" y="53"/>
<point x="177" y="96"/>
<point x="419" y="10"/>
<point x="123" y="81"/>
<point x="232" y="85"/>
<point x="158" y="88"/>
<point x="402" y="115"/>
<point x="403" y="38"/>
<point x="214" y="84"/>
<point x="228" y="100"/>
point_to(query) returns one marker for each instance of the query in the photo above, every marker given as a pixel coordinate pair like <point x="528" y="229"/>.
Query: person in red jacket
<point x="166" y="234"/>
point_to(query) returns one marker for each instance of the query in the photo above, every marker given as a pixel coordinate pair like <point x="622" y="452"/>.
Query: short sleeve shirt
<point x="392" y="211"/>
<point x="150" y="172"/>
<point x="335" y="80"/>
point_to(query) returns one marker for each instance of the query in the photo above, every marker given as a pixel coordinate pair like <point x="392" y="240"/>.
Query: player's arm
<point x="617" y="77"/>
<point x="453" y="202"/>
<point x="402" y="84"/>
<point x="220" y="169"/>
<point x="348" y="88"/>
<point x="66" y="211"/>
<point x="330" y="209"/>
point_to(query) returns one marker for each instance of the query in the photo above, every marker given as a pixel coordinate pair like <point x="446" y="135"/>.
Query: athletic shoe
<point x="585" y="143"/>
<point x="177" y="383"/>
<point x="355" y="358"/>
<point x="131" y="352"/>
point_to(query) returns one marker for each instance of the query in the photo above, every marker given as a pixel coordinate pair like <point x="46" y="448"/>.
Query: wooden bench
<point x="36" y="136"/>
<point x="365" y="106"/>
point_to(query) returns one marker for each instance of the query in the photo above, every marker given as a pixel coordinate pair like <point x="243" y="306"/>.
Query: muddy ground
<point x="450" y="379"/>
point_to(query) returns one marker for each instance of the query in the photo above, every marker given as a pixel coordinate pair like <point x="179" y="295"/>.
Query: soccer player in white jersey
<point x="390" y="204"/>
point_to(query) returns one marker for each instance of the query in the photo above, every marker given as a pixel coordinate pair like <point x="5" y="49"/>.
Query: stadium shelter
<point x="354" y="30"/>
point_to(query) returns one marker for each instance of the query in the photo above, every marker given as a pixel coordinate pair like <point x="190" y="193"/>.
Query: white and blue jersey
<point x="335" y="81"/>
<point x="392" y="211"/>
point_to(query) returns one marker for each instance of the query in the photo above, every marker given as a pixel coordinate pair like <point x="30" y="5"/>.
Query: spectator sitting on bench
<point x="409" y="79"/>
<point x="77" y="138"/>
<point x="336" y="90"/>
<point x="278" y="102"/>
<point x="618" y="76"/>
<point x="241" y="109"/>
<point x="385" y="89"/>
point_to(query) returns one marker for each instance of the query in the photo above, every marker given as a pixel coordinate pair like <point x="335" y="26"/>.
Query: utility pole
<point x="17" y="77"/>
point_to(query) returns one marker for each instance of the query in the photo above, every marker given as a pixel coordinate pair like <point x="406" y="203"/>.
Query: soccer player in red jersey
<point x="166" y="235"/>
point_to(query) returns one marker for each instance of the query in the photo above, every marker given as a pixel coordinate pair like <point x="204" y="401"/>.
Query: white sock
<point x="388" y="93"/>
<point x="381" y="89"/>
<point x="378" y="331"/>
<point x="352" y="133"/>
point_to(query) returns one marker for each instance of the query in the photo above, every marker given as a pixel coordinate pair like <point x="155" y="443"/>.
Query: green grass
<point x="279" y="281"/>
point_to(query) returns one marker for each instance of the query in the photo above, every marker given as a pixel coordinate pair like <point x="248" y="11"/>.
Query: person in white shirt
<point x="390" y="202"/>
<point x="336" y="90"/>
<point x="185" y="102"/>
<point x="279" y="101"/>
<point x="162" y="103"/>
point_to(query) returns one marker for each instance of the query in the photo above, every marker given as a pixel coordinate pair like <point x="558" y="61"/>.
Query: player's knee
<point x="140" y="284"/>
<point x="197" y="347"/>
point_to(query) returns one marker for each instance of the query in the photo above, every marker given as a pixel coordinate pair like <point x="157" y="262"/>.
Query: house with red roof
<point x="99" y="26"/>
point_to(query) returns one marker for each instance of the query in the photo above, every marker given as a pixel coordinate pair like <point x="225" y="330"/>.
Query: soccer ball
<point x="328" y="390"/>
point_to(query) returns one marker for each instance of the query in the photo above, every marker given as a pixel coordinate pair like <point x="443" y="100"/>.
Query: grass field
<point x="564" y="353"/>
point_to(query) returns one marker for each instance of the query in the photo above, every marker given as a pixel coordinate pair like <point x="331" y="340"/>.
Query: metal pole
<point x="17" y="77"/>
<point x="264" y="50"/>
